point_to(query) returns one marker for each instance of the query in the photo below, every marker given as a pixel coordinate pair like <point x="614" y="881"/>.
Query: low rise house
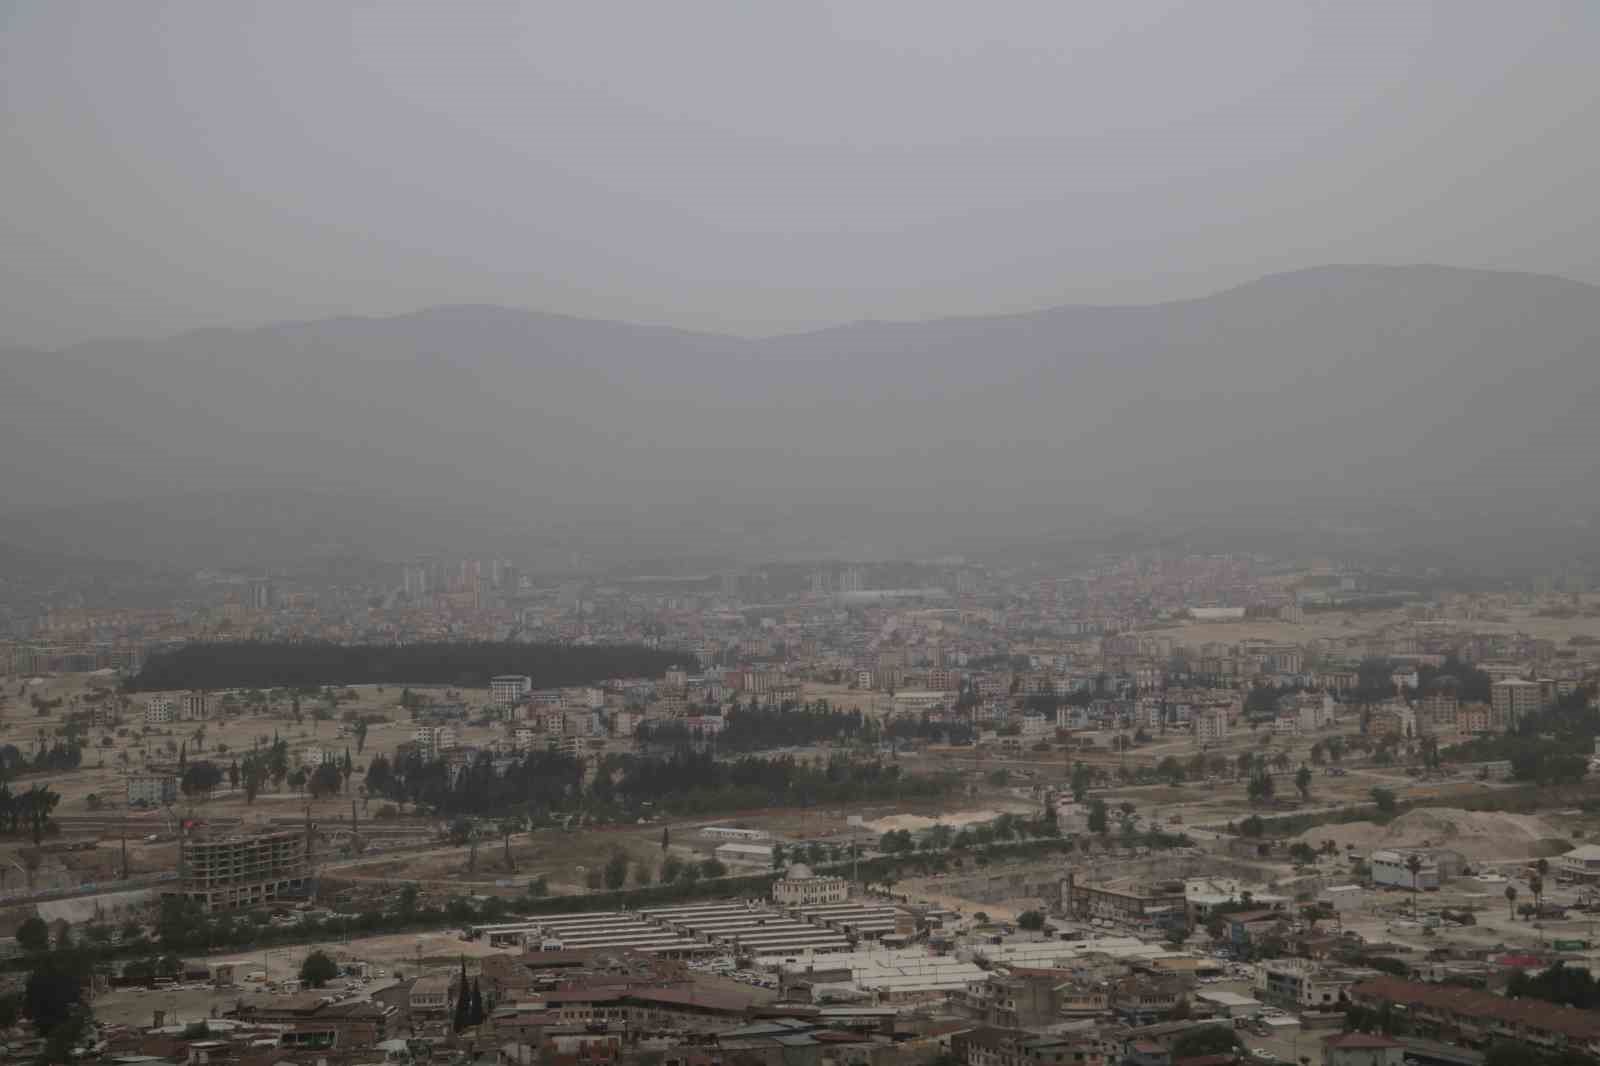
<point x="1362" y="1049"/>
<point x="1125" y="899"/>
<point x="1141" y="1000"/>
<point x="990" y="1046"/>
<point x="1302" y="984"/>
<point x="430" y="995"/>
<point x="1582" y="864"/>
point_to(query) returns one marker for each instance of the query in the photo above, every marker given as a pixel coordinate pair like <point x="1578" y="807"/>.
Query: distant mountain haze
<point x="1337" y="395"/>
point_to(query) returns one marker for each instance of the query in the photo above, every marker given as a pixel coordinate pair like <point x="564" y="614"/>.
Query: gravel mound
<point x="1476" y="834"/>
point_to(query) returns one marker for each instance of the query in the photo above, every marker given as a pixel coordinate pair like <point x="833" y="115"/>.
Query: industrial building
<point x="861" y="921"/>
<point x="594" y="930"/>
<point x="888" y="976"/>
<point x="749" y="930"/>
<point x="740" y="854"/>
<point x="1390" y="867"/>
<point x="736" y="833"/>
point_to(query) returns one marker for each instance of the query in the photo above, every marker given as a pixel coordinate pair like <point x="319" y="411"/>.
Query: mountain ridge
<point x="538" y="314"/>
<point x="1317" y="392"/>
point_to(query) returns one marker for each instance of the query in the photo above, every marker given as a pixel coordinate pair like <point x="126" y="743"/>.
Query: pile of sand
<point x="1476" y="834"/>
<point x="916" y="823"/>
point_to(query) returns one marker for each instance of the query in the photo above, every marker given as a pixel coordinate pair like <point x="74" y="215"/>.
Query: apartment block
<point x="159" y="710"/>
<point x="152" y="790"/>
<point x="1513" y="699"/>
<point x="509" y="688"/>
<point x="233" y="872"/>
<point x="1211" y="724"/>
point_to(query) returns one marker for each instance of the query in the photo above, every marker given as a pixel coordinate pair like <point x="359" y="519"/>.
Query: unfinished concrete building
<point x="228" y="873"/>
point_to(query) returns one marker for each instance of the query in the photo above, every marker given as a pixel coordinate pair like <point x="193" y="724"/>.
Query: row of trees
<point x="694" y="782"/>
<point x="27" y="812"/>
<point x="62" y="755"/>
<point x="546" y="782"/>
<point x="1007" y="827"/>
<point x="754" y="727"/>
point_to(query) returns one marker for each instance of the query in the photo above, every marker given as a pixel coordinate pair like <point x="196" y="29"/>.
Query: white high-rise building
<point x="1211" y="724"/>
<point x="159" y="710"/>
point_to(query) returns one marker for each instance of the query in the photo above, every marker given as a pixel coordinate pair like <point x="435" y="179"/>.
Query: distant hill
<point x="1379" y="398"/>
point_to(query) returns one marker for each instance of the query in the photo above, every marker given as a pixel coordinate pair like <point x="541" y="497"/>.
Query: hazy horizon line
<point x="532" y="311"/>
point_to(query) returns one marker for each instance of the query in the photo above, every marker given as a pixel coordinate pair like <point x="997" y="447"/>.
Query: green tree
<point x="318" y="969"/>
<point x="10" y="1009"/>
<point x="1033" y="921"/>
<point x="325" y="781"/>
<point x="616" y="872"/>
<point x="462" y="1017"/>
<point x="33" y="936"/>
<point x="1302" y="781"/>
<point x="1511" y="902"/>
<point x="1385" y="800"/>
<point x="52" y="992"/>
<point x="73" y="1030"/>
<point x="1081" y="778"/>
<point x="1208" y="1040"/>
<point x="1098" y="822"/>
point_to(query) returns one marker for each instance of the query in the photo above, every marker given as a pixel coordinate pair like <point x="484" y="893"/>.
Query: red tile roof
<point x="1573" y="1023"/>
<point x="1359" y="1040"/>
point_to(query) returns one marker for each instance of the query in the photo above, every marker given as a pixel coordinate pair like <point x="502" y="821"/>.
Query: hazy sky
<point x="756" y="167"/>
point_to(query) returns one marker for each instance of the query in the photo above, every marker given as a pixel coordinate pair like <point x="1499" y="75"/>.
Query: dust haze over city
<point x="667" y="534"/>
<point x="850" y="281"/>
